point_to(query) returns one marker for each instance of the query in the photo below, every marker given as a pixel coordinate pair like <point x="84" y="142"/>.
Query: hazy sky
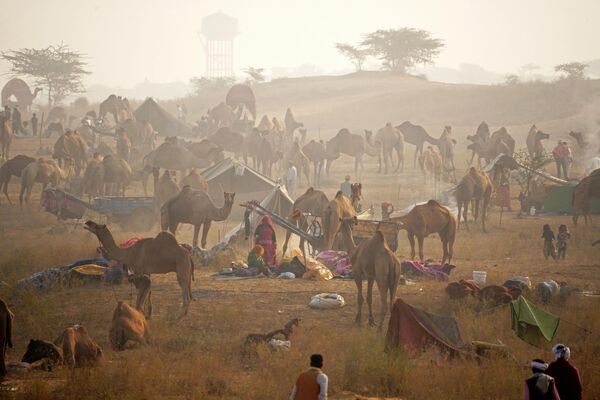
<point x="128" y="41"/>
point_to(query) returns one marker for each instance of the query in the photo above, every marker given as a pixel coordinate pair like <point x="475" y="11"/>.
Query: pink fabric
<point x="338" y="261"/>
<point x="434" y="271"/>
<point x="265" y="239"/>
<point x="130" y="242"/>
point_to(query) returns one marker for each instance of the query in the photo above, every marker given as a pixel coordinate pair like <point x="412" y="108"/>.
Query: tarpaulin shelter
<point x="235" y="176"/>
<point x="532" y="324"/>
<point x="162" y="122"/>
<point x="559" y="199"/>
<point x="412" y="328"/>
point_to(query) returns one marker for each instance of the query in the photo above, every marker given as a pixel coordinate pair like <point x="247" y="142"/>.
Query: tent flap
<point x="532" y="324"/>
<point x="161" y="120"/>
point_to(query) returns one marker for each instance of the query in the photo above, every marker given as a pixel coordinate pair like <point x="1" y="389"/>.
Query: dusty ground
<point x="200" y="356"/>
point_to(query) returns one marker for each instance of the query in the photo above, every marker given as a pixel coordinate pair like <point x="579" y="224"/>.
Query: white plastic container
<point x="479" y="277"/>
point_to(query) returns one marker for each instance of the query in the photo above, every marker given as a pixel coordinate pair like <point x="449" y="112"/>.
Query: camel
<point x="446" y="147"/>
<point x="123" y="145"/>
<point x="20" y="90"/>
<point x="128" y="325"/>
<point x="388" y="139"/>
<point x="373" y="260"/>
<point x="166" y="188"/>
<point x="172" y="156"/>
<point x="351" y="144"/>
<point x="489" y="147"/>
<point x="534" y="141"/>
<point x="58" y="115"/>
<point x="335" y="214"/>
<point x="6" y="334"/>
<point x="117" y="175"/>
<point x="71" y="146"/>
<point x="425" y="219"/>
<point x="582" y="140"/>
<point x="316" y="153"/>
<point x="206" y="151"/>
<point x="194" y="207"/>
<point x="417" y="136"/>
<point x="290" y="123"/>
<point x="431" y="164"/>
<point x="313" y="202"/>
<point x="474" y="187"/>
<point x="44" y="171"/>
<point x="297" y="157"/>
<point x="114" y="105"/>
<point x="93" y="179"/>
<point x="195" y="181"/>
<point x="356" y="196"/>
<point x="13" y="167"/>
<point x="159" y="255"/>
<point x="241" y="95"/>
<point x="228" y="140"/>
<point x="140" y="133"/>
<point x="6" y="137"/>
<point x="586" y="190"/>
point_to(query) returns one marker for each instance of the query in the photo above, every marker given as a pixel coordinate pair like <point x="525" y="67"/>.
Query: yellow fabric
<point x="90" y="269"/>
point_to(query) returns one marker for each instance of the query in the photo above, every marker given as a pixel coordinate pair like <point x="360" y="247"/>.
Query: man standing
<point x="16" y="120"/>
<point x="34" y="124"/>
<point x="290" y="179"/>
<point x="346" y="187"/>
<point x="540" y="386"/>
<point x="562" y="157"/>
<point x="312" y="384"/>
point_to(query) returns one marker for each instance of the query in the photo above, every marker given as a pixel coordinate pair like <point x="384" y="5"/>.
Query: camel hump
<point x="309" y="190"/>
<point x="434" y="203"/>
<point x="166" y="238"/>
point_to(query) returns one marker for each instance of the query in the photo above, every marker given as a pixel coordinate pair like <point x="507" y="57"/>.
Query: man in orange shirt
<point x="312" y="384"/>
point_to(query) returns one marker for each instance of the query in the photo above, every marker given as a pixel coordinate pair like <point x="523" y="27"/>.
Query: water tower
<point x="217" y="33"/>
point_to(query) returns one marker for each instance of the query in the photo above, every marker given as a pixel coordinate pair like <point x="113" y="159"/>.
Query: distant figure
<point x="563" y="157"/>
<point x="264" y="235"/>
<point x="312" y="384"/>
<point x="504" y="191"/>
<point x="16" y="121"/>
<point x="548" y="236"/>
<point x="346" y="187"/>
<point x="34" y="124"/>
<point x="540" y="386"/>
<point x="561" y="241"/>
<point x="180" y="113"/>
<point x="566" y="376"/>
<point x="7" y="113"/>
<point x="290" y="179"/>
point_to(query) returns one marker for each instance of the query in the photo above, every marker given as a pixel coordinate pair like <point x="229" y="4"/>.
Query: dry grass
<point x="201" y="356"/>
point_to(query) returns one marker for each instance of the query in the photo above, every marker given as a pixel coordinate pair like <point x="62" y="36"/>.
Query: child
<point x="256" y="261"/>
<point x="561" y="241"/>
<point x="548" y="237"/>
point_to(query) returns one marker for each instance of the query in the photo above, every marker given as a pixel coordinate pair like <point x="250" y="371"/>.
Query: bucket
<point x="479" y="277"/>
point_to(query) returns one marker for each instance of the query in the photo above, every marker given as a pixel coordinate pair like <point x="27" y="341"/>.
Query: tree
<point x="356" y="55"/>
<point x="573" y="70"/>
<point x="400" y="49"/>
<point x="202" y="84"/>
<point x="256" y="75"/>
<point x="526" y="176"/>
<point x="58" y="68"/>
<point x="512" y="79"/>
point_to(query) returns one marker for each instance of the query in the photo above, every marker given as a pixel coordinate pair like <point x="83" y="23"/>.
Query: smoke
<point x="588" y="122"/>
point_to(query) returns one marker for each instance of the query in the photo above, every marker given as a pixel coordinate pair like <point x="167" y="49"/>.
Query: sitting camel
<point x="474" y="187"/>
<point x="373" y="259"/>
<point x="312" y="202"/>
<point x="425" y="219"/>
<point x="128" y="325"/>
<point x="159" y="255"/>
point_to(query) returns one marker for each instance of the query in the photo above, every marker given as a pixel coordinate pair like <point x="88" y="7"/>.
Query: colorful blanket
<point x="432" y="271"/>
<point x="337" y="261"/>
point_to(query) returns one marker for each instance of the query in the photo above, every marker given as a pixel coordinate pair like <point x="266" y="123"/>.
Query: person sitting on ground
<point x="548" y="236"/>
<point x="346" y="187"/>
<point x="561" y="241"/>
<point x="540" y="386"/>
<point x="256" y="262"/>
<point x="312" y="384"/>
<point x="566" y="376"/>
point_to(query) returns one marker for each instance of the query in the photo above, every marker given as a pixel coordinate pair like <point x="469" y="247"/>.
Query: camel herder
<point x="291" y="178"/>
<point x="264" y="235"/>
<point x="563" y="157"/>
<point x="311" y="384"/>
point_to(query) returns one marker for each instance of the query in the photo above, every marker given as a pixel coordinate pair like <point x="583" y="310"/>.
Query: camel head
<point x="39" y="349"/>
<point x="576" y="135"/>
<point x="95" y="228"/>
<point x="539" y="135"/>
<point x="228" y="198"/>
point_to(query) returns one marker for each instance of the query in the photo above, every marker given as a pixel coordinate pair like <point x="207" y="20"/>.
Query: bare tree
<point x="572" y="70"/>
<point x="356" y="55"/>
<point x="58" y="68"/>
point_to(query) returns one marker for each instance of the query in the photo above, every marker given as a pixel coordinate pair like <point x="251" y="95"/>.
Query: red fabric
<point x="568" y="381"/>
<point x="265" y="236"/>
<point x="504" y="196"/>
<point x="130" y="242"/>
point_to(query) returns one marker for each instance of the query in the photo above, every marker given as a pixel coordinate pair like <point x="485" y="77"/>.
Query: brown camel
<point x="351" y="144"/>
<point x="159" y="255"/>
<point x="6" y="330"/>
<point x="489" y="147"/>
<point x="431" y="165"/>
<point x="13" y="167"/>
<point x="446" y="148"/>
<point x="93" y="179"/>
<point x="123" y="145"/>
<point x="44" y="171"/>
<point x="313" y="202"/>
<point x="195" y="181"/>
<point x="117" y="175"/>
<point x="373" y="260"/>
<point x="228" y="140"/>
<point x="114" y="105"/>
<point x="387" y="140"/>
<point x="206" y="151"/>
<point x="336" y="213"/>
<point x="139" y="133"/>
<point x="71" y="145"/>
<point x="582" y="140"/>
<point x="534" y="141"/>
<point x="316" y="153"/>
<point x="194" y="207"/>
<point x="425" y="219"/>
<point x="20" y="90"/>
<point x="166" y="188"/>
<point x="128" y="325"/>
<point x="290" y="123"/>
<point x="300" y="160"/>
<point x="417" y="136"/>
<point x="6" y="137"/>
<point x="586" y="190"/>
<point x="220" y="116"/>
<point x="474" y="187"/>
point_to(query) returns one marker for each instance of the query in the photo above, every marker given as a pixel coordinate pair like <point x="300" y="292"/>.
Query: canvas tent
<point x="532" y="324"/>
<point x="234" y="176"/>
<point x="411" y="328"/>
<point x="162" y="122"/>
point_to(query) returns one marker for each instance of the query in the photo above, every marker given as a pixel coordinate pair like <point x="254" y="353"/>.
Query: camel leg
<point x="379" y="162"/>
<point x="476" y="210"/>
<point x="465" y="212"/>
<point x="205" y="229"/>
<point x="370" y="282"/>
<point x="285" y="243"/>
<point x="359" y="297"/>
<point x="5" y="189"/>
<point x="420" y="240"/>
<point x="184" y="284"/>
<point x="445" y="250"/>
<point x="411" y="240"/>
<point x="196" y="232"/>
<point x="483" y="214"/>
<point x="383" y="286"/>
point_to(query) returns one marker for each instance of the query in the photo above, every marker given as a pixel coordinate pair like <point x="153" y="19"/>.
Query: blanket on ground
<point x="432" y="271"/>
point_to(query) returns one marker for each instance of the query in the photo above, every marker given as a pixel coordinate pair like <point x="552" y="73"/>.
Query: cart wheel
<point x="314" y="230"/>
<point x="141" y="220"/>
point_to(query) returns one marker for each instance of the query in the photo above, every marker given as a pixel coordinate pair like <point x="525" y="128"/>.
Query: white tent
<point x="234" y="176"/>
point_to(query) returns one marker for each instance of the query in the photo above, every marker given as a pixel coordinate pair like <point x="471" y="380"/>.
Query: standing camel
<point x="194" y="207"/>
<point x="300" y="160"/>
<point x="373" y="259"/>
<point x="425" y="219"/>
<point x="474" y="186"/>
<point x="534" y="141"/>
<point x="430" y="162"/>
<point x="71" y="145"/>
<point x="337" y="211"/>
<point x="586" y="190"/>
<point x="351" y="144"/>
<point x="317" y="155"/>
<point x="6" y="137"/>
<point x="43" y="171"/>
<point x="13" y="167"/>
<point x="446" y="147"/>
<point x="312" y="202"/>
<point x="389" y="139"/>
<point x="417" y="136"/>
<point x="159" y="255"/>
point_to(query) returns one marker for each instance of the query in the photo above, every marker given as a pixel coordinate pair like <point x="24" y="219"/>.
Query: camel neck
<point x="111" y="247"/>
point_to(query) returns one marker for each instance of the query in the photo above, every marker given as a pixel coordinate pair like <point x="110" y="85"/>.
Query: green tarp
<point x="559" y="199"/>
<point x="532" y="324"/>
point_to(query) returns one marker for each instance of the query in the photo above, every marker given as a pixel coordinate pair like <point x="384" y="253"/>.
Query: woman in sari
<point x="264" y="235"/>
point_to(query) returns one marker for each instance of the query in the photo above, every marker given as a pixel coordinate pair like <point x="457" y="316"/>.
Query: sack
<point x="287" y="275"/>
<point x="326" y="301"/>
